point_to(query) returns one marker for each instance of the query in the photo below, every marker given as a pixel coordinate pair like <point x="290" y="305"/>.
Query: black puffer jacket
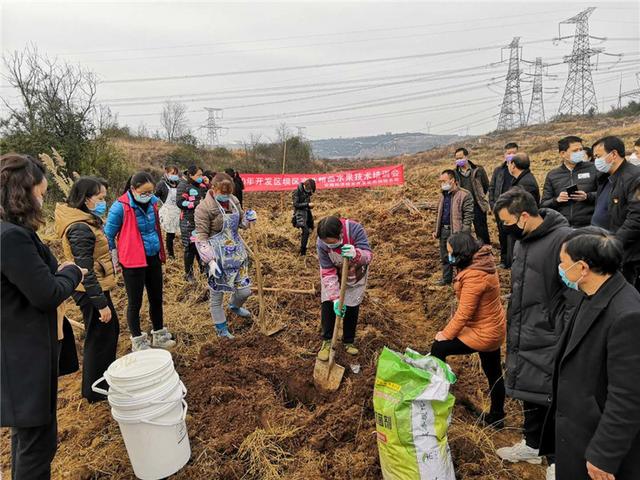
<point x="535" y="317"/>
<point x="188" y="196"/>
<point x="83" y="242"/>
<point x="162" y="188"/>
<point x="497" y="183"/>
<point x="624" y="208"/>
<point x="527" y="181"/>
<point x="302" y="215"/>
<point x="585" y="176"/>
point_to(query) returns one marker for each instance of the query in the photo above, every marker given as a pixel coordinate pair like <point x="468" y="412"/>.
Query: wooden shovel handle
<point x="338" y="322"/>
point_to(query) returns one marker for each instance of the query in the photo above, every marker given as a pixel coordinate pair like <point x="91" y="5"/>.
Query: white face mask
<point x="634" y="160"/>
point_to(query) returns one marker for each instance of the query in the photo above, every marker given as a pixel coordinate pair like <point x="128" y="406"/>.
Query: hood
<point x="483" y="260"/>
<point x="66" y="215"/>
<point x="552" y="220"/>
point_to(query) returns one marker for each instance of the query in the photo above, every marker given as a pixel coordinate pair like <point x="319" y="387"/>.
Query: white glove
<point x="115" y="261"/>
<point x="214" y="269"/>
<point x="251" y="216"/>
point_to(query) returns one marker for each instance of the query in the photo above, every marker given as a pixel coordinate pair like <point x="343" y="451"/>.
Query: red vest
<point x="131" y="252"/>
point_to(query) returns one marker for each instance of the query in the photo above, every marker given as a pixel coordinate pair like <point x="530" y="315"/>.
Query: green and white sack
<point x="413" y="407"/>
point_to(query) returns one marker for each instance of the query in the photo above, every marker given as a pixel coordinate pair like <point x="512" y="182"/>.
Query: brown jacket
<point x="208" y="217"/>
<point x="461" y="212"/>
<point x="102" y="268"/>
<point x="479" y="321"/>
<point x="480" y="182"/>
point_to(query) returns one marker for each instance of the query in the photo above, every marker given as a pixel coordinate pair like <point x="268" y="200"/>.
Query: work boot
<point x="520" y="452"/>
<point x="140" y="343"/>
<point x="350" y="349"/>
<point x="223" y="331"/>
<point x="325" y="350"/>
<point x="241" y="312"/>
<point x="162" y="339"/>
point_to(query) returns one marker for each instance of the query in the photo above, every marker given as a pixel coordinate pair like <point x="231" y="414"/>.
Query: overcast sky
<point x="246" y="59"/>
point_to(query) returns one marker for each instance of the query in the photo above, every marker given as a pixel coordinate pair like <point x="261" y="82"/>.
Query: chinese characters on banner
<point x="370" y="177"/>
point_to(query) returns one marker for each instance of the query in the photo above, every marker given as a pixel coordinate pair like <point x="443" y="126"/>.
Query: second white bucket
<point x="149" y="406"/>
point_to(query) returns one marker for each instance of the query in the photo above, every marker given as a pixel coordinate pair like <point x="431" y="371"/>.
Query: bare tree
<point x="174" y="120"/>
<point x="142" y="131"/>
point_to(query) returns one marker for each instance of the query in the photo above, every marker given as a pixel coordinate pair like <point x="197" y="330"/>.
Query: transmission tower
<point x="213" y="129"/>
<point x="579" y="95"/>
<point x="536" y="107"/>
<point x="512" y="111"/>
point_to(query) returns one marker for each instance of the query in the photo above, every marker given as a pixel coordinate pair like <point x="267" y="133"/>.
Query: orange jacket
<point x="479" y="321"/>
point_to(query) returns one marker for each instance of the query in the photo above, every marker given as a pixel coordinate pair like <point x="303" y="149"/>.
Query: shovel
<point x="262" y="322"/>
<point x="327" y="375"/>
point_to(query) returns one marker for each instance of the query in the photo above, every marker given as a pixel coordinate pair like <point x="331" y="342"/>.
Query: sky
<point x="326" y="69"/>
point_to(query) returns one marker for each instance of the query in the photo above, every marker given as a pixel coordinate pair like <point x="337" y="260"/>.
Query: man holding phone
<point x="571" y="188"/>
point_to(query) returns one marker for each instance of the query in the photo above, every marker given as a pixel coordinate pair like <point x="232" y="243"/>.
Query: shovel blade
<point x="327" y="379"/>
<point x="269" y="330"/>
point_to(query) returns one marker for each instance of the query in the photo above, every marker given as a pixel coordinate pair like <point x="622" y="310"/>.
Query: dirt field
<point x="253" y="410"/>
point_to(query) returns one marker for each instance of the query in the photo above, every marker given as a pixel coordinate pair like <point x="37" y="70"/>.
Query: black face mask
<point x="514" y="230"/>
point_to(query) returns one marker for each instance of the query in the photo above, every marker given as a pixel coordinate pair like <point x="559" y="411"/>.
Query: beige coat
<point x="208" y="217"/>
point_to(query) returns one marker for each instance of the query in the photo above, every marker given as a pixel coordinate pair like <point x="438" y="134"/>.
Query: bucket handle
<point x="185" y="407"/>
<point x="96" y="389"/>
<point x="164" y="402"/>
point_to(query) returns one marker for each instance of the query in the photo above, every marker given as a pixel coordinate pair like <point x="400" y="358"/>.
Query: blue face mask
<point x="199" y="180"/>
<point x="222" y="198"/>
<point x="602" y="165"/>
<point x="144" y="198"/>
<point x="565" y="279"/>
<point x="173" y="178"/>
<point x="577" y="157"/>
<point x="452" y="259"/>
<point x="100" y="208"/>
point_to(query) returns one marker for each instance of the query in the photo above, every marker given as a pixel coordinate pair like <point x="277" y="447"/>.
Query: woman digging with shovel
<point x="340" y="238"/>
<point x="218" y="218"/>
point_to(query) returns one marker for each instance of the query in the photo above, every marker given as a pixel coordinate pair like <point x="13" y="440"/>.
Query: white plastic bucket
<point x="147" y="400"/>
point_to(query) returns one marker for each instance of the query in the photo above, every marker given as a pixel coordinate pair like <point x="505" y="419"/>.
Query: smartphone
<point x="572" y="189"/>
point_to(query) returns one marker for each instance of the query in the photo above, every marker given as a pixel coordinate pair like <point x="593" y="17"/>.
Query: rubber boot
<point x="223" y="330"/>
<point x="241" y="312"/>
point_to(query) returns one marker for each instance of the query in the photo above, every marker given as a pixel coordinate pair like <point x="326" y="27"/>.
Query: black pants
<point x="447" y="268"/>
<point x="480" y="224"/>
<point x="135" y="281"/>
<point x="32" y="451"/>
<point x="304" y="240"/>
<point x="100" y="343"/>
<point x="506" y="245"/>
<point x="190" y="255"/>
<point x="491" y="367"/>
<point x="534" y="416"/>
<point x="349" y="322"/>
<point x="631" y="272"/>
<point x="170" y="238"/>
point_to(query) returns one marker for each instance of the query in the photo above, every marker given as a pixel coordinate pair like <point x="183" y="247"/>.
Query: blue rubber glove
<point x="339" y="311"/>
<point x="348" y="251"/>
<point x="251" y="216"/>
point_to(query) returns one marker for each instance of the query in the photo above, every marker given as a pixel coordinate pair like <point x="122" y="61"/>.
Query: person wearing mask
<point x="238" y="189"/>
<point x="501" y="181"/>
<point x="571" y="188"/>
<point x="340" y="238"/>
<point x="634" y="158"/>
<point x="302" y="211"/>
<point x="78" y="223"/>
<point x="473" y="178"/>
<point x="455" y="214"/>
<point x="218" y="219"/>
<point x="617" y="207"/>
<point x="32" y="287"/>
<point x="166" y="191"/>
<point x="519" y="167"/>
<point x="535" y="315"/>
<point x="135" y="241"/>
<point x="588" y="153"/>
<point x="478" y="324"/>
<point x="191" y="190"/>
<point x="594" y="424"/>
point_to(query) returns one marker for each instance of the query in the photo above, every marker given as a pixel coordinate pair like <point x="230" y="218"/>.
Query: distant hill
<point x="380" y="146"/>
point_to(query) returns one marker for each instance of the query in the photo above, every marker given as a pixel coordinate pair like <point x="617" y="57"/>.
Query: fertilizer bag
<point x="413" y="407"/>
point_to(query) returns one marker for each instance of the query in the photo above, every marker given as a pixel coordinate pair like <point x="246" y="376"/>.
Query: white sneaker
<point x="520" y="452"/>
<point x="551" y="472"/>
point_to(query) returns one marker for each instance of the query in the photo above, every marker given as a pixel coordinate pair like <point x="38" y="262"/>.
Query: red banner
<point x="369" y="177"/>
